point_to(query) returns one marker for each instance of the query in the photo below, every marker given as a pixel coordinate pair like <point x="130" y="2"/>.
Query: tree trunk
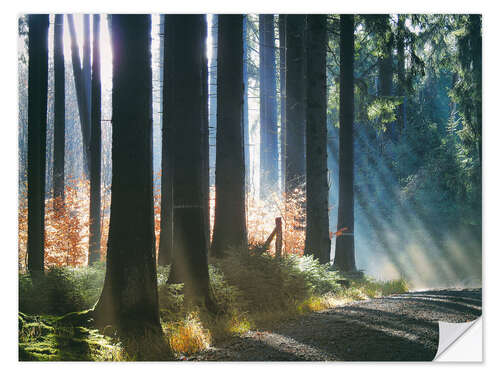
<point x="295" y="103"/>
<point x="86" y="69"/>
<point x="205" y="146"/>
<point x="317" y="230"/>
<point x="344" y="246"/>
<point x="212" y="119"/>
<point x="37" y="132"/>
<point x="230" y="219"/>
<point x="166" y="219"/>
<point x="282" y="36"/>
<point x="268" y="115"/>
<point x="95" y="150"/>
<point x="186" y="119"/>
<point x="82" y="99"/>
<point x="59" y="111"/>
<point x="129" y="298"/>
<point x="246" y="133"/>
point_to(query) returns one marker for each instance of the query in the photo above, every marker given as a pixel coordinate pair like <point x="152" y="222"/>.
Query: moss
<point x="43" y="338"/>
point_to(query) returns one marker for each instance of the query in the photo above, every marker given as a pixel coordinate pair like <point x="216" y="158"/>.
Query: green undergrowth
<point x="250" y="291"/>
<point x="45" y="338"/>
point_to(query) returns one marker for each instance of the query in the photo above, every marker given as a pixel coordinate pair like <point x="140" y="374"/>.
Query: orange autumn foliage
<point x="66" y="226"/>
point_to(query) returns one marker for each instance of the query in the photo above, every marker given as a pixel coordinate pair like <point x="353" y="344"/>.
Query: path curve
<point x="396" y="328"/>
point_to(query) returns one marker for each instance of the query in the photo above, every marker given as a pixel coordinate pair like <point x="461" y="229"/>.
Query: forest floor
<point x="402" y="327"/>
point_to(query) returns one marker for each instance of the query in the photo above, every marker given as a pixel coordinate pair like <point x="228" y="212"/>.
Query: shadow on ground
<point x="398" y="328"/>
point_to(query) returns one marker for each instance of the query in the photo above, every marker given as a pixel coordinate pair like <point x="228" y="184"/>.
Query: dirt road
<point x="396" y="328"/>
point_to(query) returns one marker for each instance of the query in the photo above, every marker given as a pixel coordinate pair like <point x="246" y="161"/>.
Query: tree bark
<point x="268" y="115"/>
<point x="344" y="247"/>
<point x="95" y="150"/>
<point x="295" y="103"/>
<point x="317" y="230"/>
<point x="129" y="298"/>
<point x="213" y="96"/>
<point x="246" y="133"/>
<point x="166" y="219"/>
<point x="186" y="118"/>
<point x="82" y="99"/>
<point x="37" y="132"/>
<point x="205" y="145"/>
<point x="86" y="69"/>
<point x="230" y="219"/>
<point x="59" y="111"/>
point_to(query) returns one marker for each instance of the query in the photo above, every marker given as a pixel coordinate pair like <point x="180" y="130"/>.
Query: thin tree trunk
<point x="268" y="115"/>
<point x="295" y="103"/>
<point x="37" y="132"/>
<point x="95" y="151"/>
<point x="213" y="97"/>
<point x="282" y="36"/>
<point x="129" y="298"/>
<point x="86" y="69"/>
<point x="82" y="99"/>
<point x="317" y="231"/>
<point x="59" y="111"/>
<point x="344" y="246"/>
<point x="246" y="133"/>
<point x="230" y="219"/>
<point x="185" y="75"/>
<point x="205" y="146"/>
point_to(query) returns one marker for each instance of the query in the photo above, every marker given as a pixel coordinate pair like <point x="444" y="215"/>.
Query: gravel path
<point x="396" y="328"/>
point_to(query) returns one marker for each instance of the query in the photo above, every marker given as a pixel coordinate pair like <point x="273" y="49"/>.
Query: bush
<point x="267" y="284"/>
<point x="61" y="290"/>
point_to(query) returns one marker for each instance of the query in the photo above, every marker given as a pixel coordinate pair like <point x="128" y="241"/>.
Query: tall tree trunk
<point x="205" y="143"/>
<point x="344" y="246"/>
<point x="86" y="69"/>
<point x="212" y="118"/>
<point x="166" y="205"/>
<point x="246" y="133"/>
<point x="268" y="115"/>
<point x="295" y="103"/>
<point x="82" y="99"/>
<point x="230" y="219"/>
<point x="37" y="132"/>
<point x="282" y="36"/>
<point x="186" y="117"/>
<point x="95" y="150"/>
<point x="400" y="50"/>
<point x="59" y="110"/>
<point x="130" y="298"/>
<point x="317" y="231"/>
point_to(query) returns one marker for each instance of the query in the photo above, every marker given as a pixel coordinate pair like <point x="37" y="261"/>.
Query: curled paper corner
<point x="460" y="342"/>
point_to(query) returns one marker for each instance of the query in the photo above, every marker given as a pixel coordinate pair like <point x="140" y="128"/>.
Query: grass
<point x="43" y="338"/>
<point x="251" y="292"/>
